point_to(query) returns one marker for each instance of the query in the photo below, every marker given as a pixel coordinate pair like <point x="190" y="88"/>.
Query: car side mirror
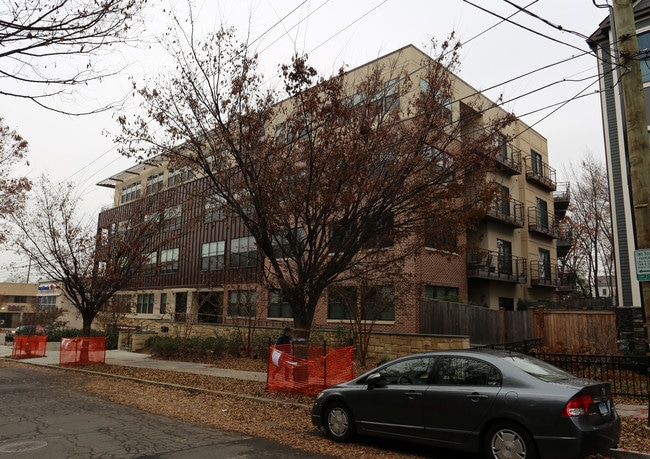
<point x="373" y="380"/>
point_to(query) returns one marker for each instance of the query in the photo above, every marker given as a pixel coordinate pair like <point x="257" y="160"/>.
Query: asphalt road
<point x="41" y="417"/>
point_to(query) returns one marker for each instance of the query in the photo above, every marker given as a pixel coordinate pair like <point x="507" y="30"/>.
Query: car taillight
<point x="578" y="406"/>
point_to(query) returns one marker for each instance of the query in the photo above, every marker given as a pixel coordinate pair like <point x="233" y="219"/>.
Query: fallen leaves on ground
<point x="246" y="407"/>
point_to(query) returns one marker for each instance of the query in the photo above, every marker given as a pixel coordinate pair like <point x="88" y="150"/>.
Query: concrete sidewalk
<point x="136" y="359"/>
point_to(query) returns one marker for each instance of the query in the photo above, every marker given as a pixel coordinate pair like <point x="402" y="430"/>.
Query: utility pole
<point x="637" y="134"/>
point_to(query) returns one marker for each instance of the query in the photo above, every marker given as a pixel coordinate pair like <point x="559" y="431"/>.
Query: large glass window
<point x="545" y="264"/>
<point x="172" y="218"/>
<point x="379" y="303"/>
<point x="290" y="244"/>
<point x="536" y="163"/>
<point x="46" y="303"/>
<point x="437" y="292"/>
<point x="243" y="252"/>
<point x="542" y="214"/>
<point x="504" y="255"/>
<point x="144" y="304"/>
<point x="213" y="255"/>
<point x="169" y="261"/>
<point x="278" y="306"/>
<point x="643" y="40"/>
<point x="341" y="303"/>
<point x="149" y="267"/>
<point x="215" y="209"/>
<point x="154" y="183"/>
<point x="131" y="192"/>
<point x="242" y="303"/>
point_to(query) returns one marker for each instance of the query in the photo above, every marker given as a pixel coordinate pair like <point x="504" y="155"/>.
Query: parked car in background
<point x="24" y="330"/>
<point x="498" y="403"/>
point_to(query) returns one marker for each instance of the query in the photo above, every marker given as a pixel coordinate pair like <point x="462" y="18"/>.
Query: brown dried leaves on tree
<point x="337" y="167"/>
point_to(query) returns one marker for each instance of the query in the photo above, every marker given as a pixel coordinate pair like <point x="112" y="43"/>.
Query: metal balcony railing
<point x="543" y="223"/>
<point x="507" y="210"/>
<point x="541" y="173"/>
<point x="488" y="264"/>
<point x="509" y="158"/>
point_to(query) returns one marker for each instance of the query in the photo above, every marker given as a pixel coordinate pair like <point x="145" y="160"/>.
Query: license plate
<point x="603" y="407"/>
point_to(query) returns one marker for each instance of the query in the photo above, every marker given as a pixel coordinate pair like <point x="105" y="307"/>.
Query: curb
<point x="627" y="454"/>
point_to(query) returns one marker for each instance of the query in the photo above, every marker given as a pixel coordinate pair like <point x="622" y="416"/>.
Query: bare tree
<point x="592" y="253"/>
<point x="329" y="178"/>
<point x="89" y="266"/>
<point x="13" y="151"/>
<point x="50" y="45"/>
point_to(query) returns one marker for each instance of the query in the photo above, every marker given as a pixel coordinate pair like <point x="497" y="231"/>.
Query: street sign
<point x="642" y="263"/>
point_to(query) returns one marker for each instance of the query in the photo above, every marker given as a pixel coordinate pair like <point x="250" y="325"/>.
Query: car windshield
<point x="538" y="368"/>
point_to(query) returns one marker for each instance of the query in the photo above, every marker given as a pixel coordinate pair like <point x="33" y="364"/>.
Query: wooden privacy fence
<point x="577" y="331"/>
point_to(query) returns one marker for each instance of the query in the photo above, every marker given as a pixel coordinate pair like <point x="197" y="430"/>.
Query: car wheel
<point x="339" y="423"/>
<point x="509" y="441"/>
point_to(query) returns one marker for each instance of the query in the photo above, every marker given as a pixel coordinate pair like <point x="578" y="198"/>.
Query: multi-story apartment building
<point x="213" y="267"/>
<point x="604" y="45"/>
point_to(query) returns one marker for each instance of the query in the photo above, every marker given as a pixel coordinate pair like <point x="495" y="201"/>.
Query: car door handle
<point x="476" y="396"/>
<point x="412" y="394"/>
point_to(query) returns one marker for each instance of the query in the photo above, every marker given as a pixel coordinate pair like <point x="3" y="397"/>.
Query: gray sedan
<point x="505" y="405"/>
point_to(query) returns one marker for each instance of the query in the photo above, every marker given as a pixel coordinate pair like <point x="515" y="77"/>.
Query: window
<point x="413" y="371"/>
<point x="542" y="214"/>
<point x="379" y="304"/>
<point x="437" y="235"/>
<point x="242" y="303"/>
<point x="443" y="100"/>
<point x="163" y="303"/>
<point x="504" y="256"/>
<point x="341" y="303"/>
<point x="149" y="267"/>
<point x="536" y="163"/>
<point x="278" y="306"/>
<point x="290" y="244"/>
<point x="461" y="371"/>
<point x="440" y="164"/>
<point x="172" y="218"/>
<point x="169" y="261"/>
<point x="144" y="304"/>
<point x="243" y="252"/>
<point x="178" y="176"/>
<point x="644" y="46"/>
<point x="504" y="202"/>
<point x="20" y="299"/>
<point x="544" y="264"/>
<point x="214" y="209"/>
<point x="213" y="255"/>
<point x="131" y="192"/>
<point x="154" y="183"/>
<point x="433" y="292"/>
<point x="378" y="229"/>
<point x="391" y="95"/>
<point x="46" y="303"/>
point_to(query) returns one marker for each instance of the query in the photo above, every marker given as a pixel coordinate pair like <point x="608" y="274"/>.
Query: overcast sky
<point x="338" y="33"/>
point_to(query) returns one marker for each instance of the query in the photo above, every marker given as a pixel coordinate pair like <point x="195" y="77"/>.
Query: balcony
<point x="561" y="199"/>
<point x="488" y="264"/>
<point x="509" y="159"/>
<point x="507" y="210"/>
<point x="541" y="174"/>
<point x="542" y="223"/>
<point x="545" y="274"/>
<point x="565" y="240"/>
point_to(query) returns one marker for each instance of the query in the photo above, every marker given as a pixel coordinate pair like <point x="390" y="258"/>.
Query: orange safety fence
<point x="287" y="373"/>
<point x="29" y="346"/>
<point x="83" y="350"/>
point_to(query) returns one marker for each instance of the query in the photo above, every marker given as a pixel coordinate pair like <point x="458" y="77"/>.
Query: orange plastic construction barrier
<point x="84" y="350"/>
<point x="287" y="373"/>
<point x="29" y="346"/>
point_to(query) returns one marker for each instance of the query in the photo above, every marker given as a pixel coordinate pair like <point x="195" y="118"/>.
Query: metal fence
<point x="628" y="375"/>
